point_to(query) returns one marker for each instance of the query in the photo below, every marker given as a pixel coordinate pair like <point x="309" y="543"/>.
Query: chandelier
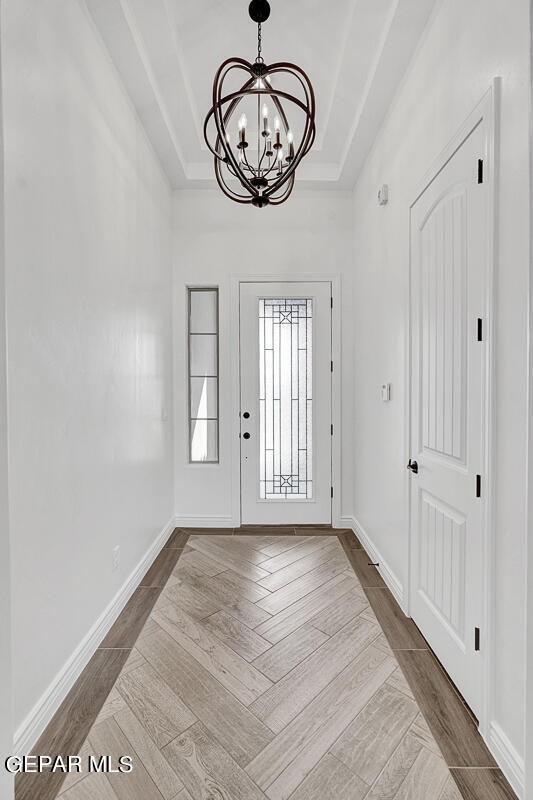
<point x="260" y="129"/>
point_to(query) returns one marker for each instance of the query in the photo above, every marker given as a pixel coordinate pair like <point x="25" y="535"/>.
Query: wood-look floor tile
<point x="448" y="719"/>
<point x="279" y="545"/>
<point x="244" y="736"/>
<point x="233" y="672"/>
<point x="265" y="530"/>
<point x="360" y="562"/>
<point x="286" y="698"/>
<point x="161" y="712"/>
<point x="249" y="590"/>
<point x="338" y="614"/>
<point x="68" y="730"/>
<point x="223" y="557"/>
<point x="302" y="586"/>
<point x="150" y="626"/>
<point x="162" y="567"/>
<point x="178" y="538"/>
<point x="196" y="604"/>
<point x="196" y="532"/>
<point x="285" y="575"/>
<point x="288" y="620"/>
<point x="291" y="651"/>
<point x="108" y="739"/>
<point x="483" y="784"/>
<point x="94" y="786"/>
<point x="149" y="753"/>
<point x="207" y="770"/>
<point x="369" y="742"/>
<point x="397" y="681"/>
<point x="401" y="631"/>
<point x="396" y="770"/>
<point x="126" y="629"/>
<point x="349" y="539"/>
<point x="420" y="730"/>
<point x="236" y="635"/>
<point x="114" y="703"/>
<point x="330" y="779"/>
<point x="450" y="791"/>
<point x="285" y="762"/>
<point x="71" y="778"/>
<point x="295" y="553"/>
<point x="426" y="778"/>
<point x="202" y="562"/>
<point x="224" y="596"/>
<point x="135" y="659"/>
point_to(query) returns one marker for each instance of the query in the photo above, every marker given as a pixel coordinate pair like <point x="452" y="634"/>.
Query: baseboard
<point x="509" y="760"/>
<point x="388" y="575"/>
<point x="41" y="714"/>
<point x="205" y="522"/>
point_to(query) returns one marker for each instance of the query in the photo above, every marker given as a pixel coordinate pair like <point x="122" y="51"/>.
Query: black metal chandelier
<point x="257" y="163"/>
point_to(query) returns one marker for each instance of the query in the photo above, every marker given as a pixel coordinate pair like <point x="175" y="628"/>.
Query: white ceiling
<point x="354" y="51"/>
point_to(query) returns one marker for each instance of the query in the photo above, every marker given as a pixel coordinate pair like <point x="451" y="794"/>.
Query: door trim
<point x="288" y="277"/>
<point x="487" y="113"/>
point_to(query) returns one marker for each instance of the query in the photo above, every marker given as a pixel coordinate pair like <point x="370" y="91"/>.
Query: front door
<point x="448" y="265"/>
<point x="285" y="351"/>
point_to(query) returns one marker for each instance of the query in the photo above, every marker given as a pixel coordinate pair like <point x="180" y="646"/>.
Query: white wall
<point x="466" y="46"/>
<point x="6" y="731"/>
<point x="88" y="253"/>
<point x="216" y="238"/>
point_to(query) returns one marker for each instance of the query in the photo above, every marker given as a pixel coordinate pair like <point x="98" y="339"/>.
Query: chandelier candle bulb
<point x="290" y="139"/>
<point x="265" y="120"/>
<point x="277" y="127"/>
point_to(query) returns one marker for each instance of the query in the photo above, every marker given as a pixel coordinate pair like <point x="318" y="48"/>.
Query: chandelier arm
<point x="276" y="201"/>
<point x="231" y="193"/>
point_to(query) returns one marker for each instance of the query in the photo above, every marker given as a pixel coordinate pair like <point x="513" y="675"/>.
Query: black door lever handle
<point x="413" y="466"/>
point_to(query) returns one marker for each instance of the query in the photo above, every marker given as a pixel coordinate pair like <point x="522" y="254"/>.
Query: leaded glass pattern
<point x="285" y="398"/>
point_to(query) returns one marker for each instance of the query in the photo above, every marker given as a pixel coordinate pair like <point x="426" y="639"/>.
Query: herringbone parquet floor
<point x="262" y="672"/>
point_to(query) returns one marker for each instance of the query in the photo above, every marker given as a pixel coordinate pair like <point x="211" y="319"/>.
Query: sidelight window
<point x="203" y="375"/>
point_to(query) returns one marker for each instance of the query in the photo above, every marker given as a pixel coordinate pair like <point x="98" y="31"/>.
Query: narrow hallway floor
<point x="262" y="671"/>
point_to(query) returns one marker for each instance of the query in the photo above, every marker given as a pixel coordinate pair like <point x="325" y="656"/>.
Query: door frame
<point x="6" y="727"/>
<point x="235" y="377"/>
<point x="485" y="113"/>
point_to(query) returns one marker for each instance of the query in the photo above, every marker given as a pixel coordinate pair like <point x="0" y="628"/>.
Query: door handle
<point x="246" y="435"/>
<point x="413" y="466"/>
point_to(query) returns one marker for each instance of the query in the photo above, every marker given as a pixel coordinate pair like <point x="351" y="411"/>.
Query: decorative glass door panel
<point x="285" y="398"/>
<point x="285" y="403"/>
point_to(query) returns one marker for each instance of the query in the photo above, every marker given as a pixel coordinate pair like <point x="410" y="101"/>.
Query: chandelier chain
<point x="259" y="42"/>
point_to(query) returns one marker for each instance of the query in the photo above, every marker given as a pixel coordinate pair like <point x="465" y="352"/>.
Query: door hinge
<point x="331" y="301"/>
<point x="478" y="485"/>
<point x="332" y="429"/>
<point x="332" y="491"/>
<point x="332" y="366"/>
<point x="480" y="170"/>
<point x="479" y="329"/>
<point x="476" y="638"/>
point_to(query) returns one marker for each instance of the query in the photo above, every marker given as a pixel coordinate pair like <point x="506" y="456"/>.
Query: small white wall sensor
<point x="383" y="195"/>
<point x="386" y="392"/>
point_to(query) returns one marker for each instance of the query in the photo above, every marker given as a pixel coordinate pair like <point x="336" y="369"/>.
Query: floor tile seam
<point x="240" y="559"/>
<point x="223" y="689"/>
<point x="115" y="648"/>
<point x="159" y="749"/>
<point x="218" y="637"/>
<point x="309" y="657"/>
<point x="298" y="544"/>
<point x="317" y="732"/>
<point x="273" y="616"/>
<point x="455" y="690"/>
<point x="226" y="646"/>
<point x="313" y="589"/>
<point x="339" y="761"/>
<point x="297" y="578"/>
<point x="324" y="688"/>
